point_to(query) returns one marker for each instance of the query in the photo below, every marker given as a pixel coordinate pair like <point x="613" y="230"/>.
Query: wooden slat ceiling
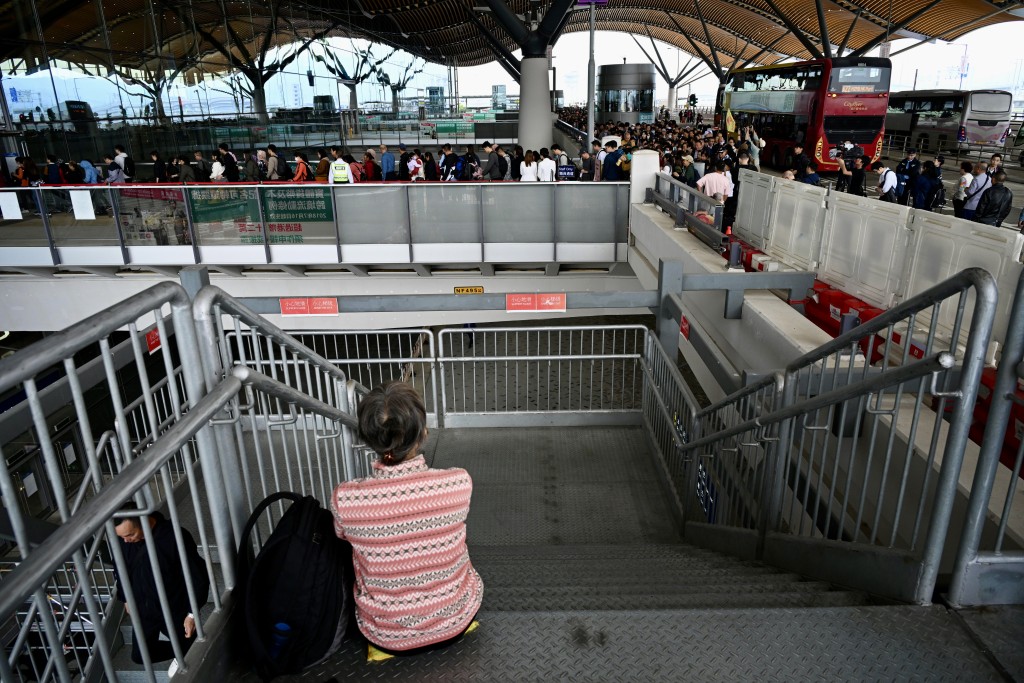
<point x="125" y="31"/>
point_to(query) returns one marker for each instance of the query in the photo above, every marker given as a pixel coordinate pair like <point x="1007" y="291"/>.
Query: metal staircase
<point x="595" y="585"/>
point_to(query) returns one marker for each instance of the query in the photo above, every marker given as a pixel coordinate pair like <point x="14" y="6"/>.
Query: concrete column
<point x="671" y="104"/>
<point x="535" y="122"/>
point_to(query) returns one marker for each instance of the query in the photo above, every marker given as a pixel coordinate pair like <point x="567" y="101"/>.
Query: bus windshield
<point x="991" y="102"/>
<point x="859" y="79"/>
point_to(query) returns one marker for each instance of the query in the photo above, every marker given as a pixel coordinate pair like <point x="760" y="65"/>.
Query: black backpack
<point x="129" y="167"/>
<point x="302" y="577"/>
<point x="503" y="166"/>
<point x="284" y="170"/>
<point x="937" y="198"/>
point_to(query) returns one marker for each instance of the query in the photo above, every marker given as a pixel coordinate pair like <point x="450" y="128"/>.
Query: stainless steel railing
<point x="684" y="202"/>
<point x="541" y="375"/>
<point x="864" y="455"/>
<point x="54" y="644"/>
<point x="143" y="422"/>
<point x="989" y="565"/>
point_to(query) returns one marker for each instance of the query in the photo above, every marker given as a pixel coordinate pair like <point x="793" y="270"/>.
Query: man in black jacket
<point x="132" y="532"/>
<point x="995" y="203"/>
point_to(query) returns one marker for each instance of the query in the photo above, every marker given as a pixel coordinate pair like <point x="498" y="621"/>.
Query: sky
<point x="994" y="57"/>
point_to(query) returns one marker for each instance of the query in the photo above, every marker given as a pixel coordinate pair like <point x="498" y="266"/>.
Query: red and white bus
<point x="821" y="103"/>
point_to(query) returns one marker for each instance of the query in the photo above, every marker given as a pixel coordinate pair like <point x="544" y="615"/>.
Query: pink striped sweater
<point x="415" y="585"/>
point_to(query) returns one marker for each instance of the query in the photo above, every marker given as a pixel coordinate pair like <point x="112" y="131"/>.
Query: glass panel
<point x="586" y="212"/>
<point x="991" y="102"/>
<point x="299" y="215"/>
<point x="372" y="214"/>
<point x="444" y="213"/>
<point x="69" y="231"/>
<point x="859" y="79"/>
<point x="519" y="212"/>
<point x="224" y="216"/>
<point x="152" y="216"/>
<point x="29" y="230"/>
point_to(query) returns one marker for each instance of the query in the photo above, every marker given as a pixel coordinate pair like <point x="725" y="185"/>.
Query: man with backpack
<point x="131" y="532"/>
<point x="468" y="164"/>
<point x="995" y="202"/>
<point x="279" y="170"/>
<point x="982" y="181"/>
<point x="886" y="182"/>
<point x="126" y="163"/>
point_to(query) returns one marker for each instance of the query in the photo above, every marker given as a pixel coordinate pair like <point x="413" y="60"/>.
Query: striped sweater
<point x="414" y="583"/>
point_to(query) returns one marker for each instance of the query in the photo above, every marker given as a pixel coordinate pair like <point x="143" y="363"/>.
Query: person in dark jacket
<point x="995" y="204"/>
<point x="159" y="168"/>
<point x="186" y="174"/>
<point x="132" y="532"/>
<point x="927" y="184"/>
<point x="490" y="170"/>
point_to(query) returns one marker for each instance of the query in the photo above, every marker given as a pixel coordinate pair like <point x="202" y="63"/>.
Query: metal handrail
<point x="1007" y="375"/>
<point x="76" y="532"/>
<point x="937" y="363"/>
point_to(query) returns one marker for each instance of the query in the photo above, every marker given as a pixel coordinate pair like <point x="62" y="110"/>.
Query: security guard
<point x="340" y="172"/>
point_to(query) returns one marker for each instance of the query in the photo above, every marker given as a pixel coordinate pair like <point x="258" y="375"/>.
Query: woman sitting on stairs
<point x="415" y="588"/>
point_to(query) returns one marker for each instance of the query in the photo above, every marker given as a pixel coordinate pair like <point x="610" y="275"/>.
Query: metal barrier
<point x="135" y="429"/>
<point x="265" y="348"/>
<point x="373" y="358"/>
<point x="669" y="407"/>
<point x="541" y="376"/>
<point x="313" y="223"/>
<point x="683" y="203"/>
<point x="853" y="453"/>
<point x="995" y="575"/>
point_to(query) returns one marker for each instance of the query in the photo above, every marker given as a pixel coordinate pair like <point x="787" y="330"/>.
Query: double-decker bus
<point x="941" y="119"/>
<point x="820" y="103"/>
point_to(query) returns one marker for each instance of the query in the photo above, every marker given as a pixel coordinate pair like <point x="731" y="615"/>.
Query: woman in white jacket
<point x="528" y="168"/>
<point x="217" y="172"/>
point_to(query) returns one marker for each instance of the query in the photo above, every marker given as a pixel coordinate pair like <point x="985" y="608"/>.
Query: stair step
<point x="790" y="583"/>
<point x="589" y="551"/>
<point x="558" y="600"/>
<point x="831" y="643"/>
<point x="616" y="573"/>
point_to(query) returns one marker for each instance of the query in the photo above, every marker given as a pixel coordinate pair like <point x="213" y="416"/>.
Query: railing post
<point x="776" y="457"/>
<point x="670" y="281"/>
<point x="986" y="296"/>
<point x="991" y="445"/>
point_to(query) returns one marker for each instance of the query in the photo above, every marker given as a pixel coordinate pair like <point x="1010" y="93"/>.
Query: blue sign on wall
<point x="14" y="94"/>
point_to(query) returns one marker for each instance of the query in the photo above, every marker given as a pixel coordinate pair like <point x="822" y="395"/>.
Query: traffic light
<point x="693" y="100"/>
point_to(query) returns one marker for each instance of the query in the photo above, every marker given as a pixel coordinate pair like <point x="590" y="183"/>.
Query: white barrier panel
<point x="865" y="247"/>
<point x="942" y="246"/>
<point x="798" y="218"/>
<point x="753" y="211"/>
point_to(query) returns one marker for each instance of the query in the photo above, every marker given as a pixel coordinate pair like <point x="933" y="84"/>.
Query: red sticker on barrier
<point x="553" y="303"/>
<point x="327" y="305"/>
<point x="684" y="327"/>
<point x="153" y="341"/>
<point x="294" y="306"/>
<point x="517" y="303"/>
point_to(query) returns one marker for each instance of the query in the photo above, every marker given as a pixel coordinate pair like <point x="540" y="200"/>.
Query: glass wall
<point x="81" y="77"/>
<point x="627" y="100"/>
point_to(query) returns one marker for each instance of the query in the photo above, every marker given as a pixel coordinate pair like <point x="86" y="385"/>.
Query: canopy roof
<point x="124" y="33"/>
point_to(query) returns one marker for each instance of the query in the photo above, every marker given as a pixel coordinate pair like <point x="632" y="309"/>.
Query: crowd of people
<point x="699" y="155"/>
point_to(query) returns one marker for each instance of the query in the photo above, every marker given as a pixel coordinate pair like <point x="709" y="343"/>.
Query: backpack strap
<point x="243" y="541"/>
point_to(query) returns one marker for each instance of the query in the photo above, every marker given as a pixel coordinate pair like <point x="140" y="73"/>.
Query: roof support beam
<point x="957" y="28"/>
<point x="766" y="48"/>
<point x="533" y="43"/>
<point x="696" y="51"/>
<point x="849" y="32"/>
<point x="707" y="35"/>
<point x="887" y="35"/>
<point x="654" y="46"/>
<point x="815" y="52"/>
<point x="826" y="44"/>
<point x="739" y="55"/>
<point x="505" y="59"/>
